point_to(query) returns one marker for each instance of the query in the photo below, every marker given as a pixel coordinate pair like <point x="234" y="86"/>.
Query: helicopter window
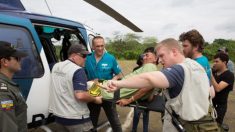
<point x="56" y="41"/>
<point x="20" y="38"/>
<point x="69" y="38"/>
<point x="45" y="35"/>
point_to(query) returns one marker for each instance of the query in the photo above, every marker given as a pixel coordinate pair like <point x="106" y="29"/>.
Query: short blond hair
<point x="170" y="43"/>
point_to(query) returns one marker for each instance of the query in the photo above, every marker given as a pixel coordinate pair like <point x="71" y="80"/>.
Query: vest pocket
<point x="208" y="127"/>
<point x="202" y="126"/>
<point x="205" y="124"/>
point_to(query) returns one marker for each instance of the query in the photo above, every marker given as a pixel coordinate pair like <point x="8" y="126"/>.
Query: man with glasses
<point x="101" y="65"/>
<point x="68" y="95"/>
<point x="13" y="108"/>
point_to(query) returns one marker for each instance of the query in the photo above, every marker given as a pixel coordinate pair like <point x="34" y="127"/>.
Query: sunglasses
<point x="82" y="55"/>
<point x="17" y="58"/>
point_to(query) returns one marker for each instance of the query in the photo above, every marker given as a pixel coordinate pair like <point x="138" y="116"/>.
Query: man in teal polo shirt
<point x="193" y="45"/>
<point x="101" y="65"/>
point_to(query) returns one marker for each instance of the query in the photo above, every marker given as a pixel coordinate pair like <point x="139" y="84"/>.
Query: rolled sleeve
<point x="116" y="67"/>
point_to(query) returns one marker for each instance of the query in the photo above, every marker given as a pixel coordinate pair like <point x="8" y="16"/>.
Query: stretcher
<point x="156" y="105"/>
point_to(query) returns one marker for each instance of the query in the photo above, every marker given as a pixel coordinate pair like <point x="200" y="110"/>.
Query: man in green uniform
<point x="13" y="108"/>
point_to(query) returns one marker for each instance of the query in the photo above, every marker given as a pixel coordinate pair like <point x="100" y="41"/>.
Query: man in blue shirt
<point x="101" y="65"/>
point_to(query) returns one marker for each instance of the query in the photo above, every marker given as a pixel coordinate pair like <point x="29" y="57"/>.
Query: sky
<point x="157" y="18"/>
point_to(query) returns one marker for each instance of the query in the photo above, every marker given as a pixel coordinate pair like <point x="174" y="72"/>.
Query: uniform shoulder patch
<point x="3" y="86"/>
<point x="7" y="105"/>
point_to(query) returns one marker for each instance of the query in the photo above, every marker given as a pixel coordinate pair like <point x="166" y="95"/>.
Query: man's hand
<point x="96" y="80"/>
<point x="98" y="100"/>
<point x="112" y="86"/>
<point x="123" y="102"/>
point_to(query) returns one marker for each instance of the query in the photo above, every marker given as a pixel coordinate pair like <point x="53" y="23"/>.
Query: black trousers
<point x="110" y="111"/>
<point x="221" y="111"/>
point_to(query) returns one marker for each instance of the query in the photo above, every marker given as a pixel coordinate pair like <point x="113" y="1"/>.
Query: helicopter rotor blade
<point x="114" y="14"/>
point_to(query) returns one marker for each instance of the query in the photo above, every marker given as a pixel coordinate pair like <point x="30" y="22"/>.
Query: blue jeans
<point x="137" y="113"/>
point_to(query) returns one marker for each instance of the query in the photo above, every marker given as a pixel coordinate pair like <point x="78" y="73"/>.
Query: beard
<point x="189" y="54"/>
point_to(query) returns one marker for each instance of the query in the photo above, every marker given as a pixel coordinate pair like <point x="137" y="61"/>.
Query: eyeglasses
<point x="82" y="55"/>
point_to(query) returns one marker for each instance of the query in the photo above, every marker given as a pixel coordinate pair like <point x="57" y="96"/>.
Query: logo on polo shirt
<point x="104" y="65"/>
<point x="82" y="84"/>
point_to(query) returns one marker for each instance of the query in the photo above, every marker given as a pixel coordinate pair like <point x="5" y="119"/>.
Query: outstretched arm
<point x="144" y="80"/>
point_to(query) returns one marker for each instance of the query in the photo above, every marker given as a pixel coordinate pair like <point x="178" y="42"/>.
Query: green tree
<point x="211" y="49"/>
<point x="130" y="45"/>
<point x="220" y="41"/>
<point x="149" y="42"/>
<point x="131" y="37"/>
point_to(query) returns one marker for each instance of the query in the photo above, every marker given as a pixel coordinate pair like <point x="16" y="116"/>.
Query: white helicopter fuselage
<point x="46" y="40"/>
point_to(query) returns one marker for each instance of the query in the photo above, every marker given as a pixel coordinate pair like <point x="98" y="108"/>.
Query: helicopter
<point x="38" y="35"/>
